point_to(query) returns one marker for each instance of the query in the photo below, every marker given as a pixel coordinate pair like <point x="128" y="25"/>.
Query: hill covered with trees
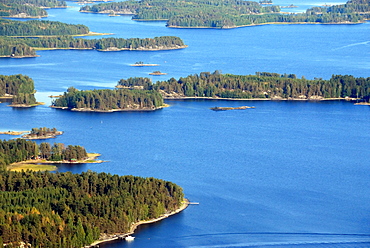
<point x="28" y="8"/>
<point x="109" y="100"/>
<point x="19" y="87"/>
<point x="229" y="14"/>
<point x="263" y="85"/>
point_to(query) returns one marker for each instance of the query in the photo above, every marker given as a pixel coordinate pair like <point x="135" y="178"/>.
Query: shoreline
<point x="134" y="226"/>
<point x="51" y="165"/>
<point x="256" y="99"/>
<point x="267" y="23"/>
<point x="109" y="111"/>
<point x="14" y="132"/>
<point x="111" y="49"/>
<point x="47" y="136"/>
<point x="26" y="105"/>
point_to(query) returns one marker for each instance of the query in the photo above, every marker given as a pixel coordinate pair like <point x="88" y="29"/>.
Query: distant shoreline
<point x="110" y="110"/>
<point x="133" y="227"/>
<point x="267" y="23"/>
<point x="257" y="99"/>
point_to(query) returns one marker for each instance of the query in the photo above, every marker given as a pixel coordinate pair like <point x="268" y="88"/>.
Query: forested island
<point x="42" y="133"/>
<point x="19" y="88"/>
<point x="263" y="85"/>
<point x="230" y="14"/>
<point x="28" y="8"/>
<point x="43" y="209"/>
<point x="109" y="100"/>
<point x="49" y="35"/>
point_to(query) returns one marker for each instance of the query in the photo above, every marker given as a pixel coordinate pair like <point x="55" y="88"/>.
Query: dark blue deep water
<point x="285" y="174"/>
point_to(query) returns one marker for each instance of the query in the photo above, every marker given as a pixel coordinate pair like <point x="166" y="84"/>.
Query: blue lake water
<point x="285" y="174"/>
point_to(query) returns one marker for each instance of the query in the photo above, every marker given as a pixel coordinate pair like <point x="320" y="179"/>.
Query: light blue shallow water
<point x="283" y="174"/>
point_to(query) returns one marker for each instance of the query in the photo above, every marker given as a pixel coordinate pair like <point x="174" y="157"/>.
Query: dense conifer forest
<point x="46" y="209"/>
<point x="106" y="100"/>
<point x="71" y="210"/>
<point x="28" y="8"/>
<point x="20" y="87"/>
<point x="262" y="85"/>
<point x="229" y="14"/>
<point x="40" y="28"/>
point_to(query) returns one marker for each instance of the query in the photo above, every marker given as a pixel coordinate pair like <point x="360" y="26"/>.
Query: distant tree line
<point x="30" y="8"/>
<point x="118" y="99"/>
<point x="40" y="28"/>
<point x="262" y="85"/>
<point x="66" y="210"/>
<point x="20" y="87"/>
<point x="18" y="150"/>
<point x="23" y="47"/>
<point x="163" y="42"/>
<point x="229" y="14"/>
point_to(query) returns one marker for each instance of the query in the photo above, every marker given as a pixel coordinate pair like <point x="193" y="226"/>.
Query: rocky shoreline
<point x="107" y="238"/>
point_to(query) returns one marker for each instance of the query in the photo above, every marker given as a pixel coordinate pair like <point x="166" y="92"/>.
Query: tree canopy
<point x="229" y="14"/>
<point x="28" y="8"/>
<point x="105" y="100"/>
<point x="262" y="85"/>
<point x="68" y="210"/>
<point x="20" y="87"/>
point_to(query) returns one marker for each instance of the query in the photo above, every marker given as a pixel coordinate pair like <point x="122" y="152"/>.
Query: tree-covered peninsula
<point x="19" y="88"/>
<point x="65" y="210"/>
<point x="263" y="85"/>
<point x="109" y="100"/>
<point x="28" y="8"/>
<point x="229" y="14"/>
<point x="19" y="150"/>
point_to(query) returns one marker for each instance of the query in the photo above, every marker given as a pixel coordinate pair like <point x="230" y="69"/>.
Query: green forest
<point x="23" y="47"/>
<point x="106" y="100"/>
<point x="20" y="87"/>
<point x="229" y="14"/>
<point x="39" y="28"/>
<point x="263" y="85"/>
<point x="68" y="210"/>
<point x="18" y="150"/>
<point x="28" y="8"/>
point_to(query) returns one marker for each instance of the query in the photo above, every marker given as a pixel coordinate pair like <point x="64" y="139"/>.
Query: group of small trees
<point x="58" y="152"/>
<point x="18" y="150"/>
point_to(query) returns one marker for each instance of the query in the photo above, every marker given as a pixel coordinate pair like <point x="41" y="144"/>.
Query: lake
<point x="285" y="174"/>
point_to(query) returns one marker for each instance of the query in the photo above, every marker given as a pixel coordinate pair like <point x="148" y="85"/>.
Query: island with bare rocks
<point x="42" y="133"/>
<point x="231" y="108"/>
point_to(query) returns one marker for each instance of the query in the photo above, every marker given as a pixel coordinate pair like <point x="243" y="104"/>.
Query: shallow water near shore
<point x="285" y="174"/>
